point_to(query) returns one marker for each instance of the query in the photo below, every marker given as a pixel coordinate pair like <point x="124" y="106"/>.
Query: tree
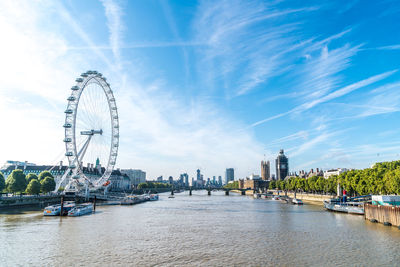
<point x="300" y="184"/>
<point x="312" y="183"/>
<point x="392" y="179"/>
<point x="48" y="184"/>
<point x="16" y="181"/>
<point x="320" y="184"/>
<point x="2" y="182"/>
<point x="331" y="184"/>
<point x="33" y="187"/>
<point x="30" y="177"/>
<point x="272" y="184"/>
<point x="45" y="174"/>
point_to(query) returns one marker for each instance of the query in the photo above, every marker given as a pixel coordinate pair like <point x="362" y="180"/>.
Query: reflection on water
<point x="215" y="230"/>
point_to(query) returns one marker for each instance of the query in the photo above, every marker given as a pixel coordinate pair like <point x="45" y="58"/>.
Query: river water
<point x="198" y="230"/>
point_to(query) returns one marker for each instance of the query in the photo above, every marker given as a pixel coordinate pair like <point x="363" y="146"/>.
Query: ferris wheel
<point x="91" y="133"/>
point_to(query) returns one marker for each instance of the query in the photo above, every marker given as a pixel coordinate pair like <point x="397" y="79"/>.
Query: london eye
<point x="91" y="133"/>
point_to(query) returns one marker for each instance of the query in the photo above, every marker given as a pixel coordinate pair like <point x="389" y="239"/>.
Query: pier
<point x="388" y="215"/>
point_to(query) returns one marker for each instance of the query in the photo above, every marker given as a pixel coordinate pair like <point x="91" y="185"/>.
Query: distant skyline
<point x="208" y="84"/>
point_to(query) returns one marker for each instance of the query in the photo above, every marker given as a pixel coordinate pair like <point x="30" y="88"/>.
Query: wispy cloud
<point x="72" y="22"/>
<point x="298" y="135"/>
<point x="259" y="53"/>
<point x="320" y="138"/>
<point x="114" y="13"/>
<point x="320" y="74"/>
<point x="174" y="29"/>
<point x="388" y="47"/>
<point x="153" y="44"/>
<point x="336" y="94"/>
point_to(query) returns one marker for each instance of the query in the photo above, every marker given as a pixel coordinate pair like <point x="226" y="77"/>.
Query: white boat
<point x="348" y="207"/>
<point x="81" y="209"/>
<point x="297" y="201"/>
<point x="276" y="198"/>
<point x="55" y="210"/>
<point x="153" y="197"/>
<point x="129" y="200"/>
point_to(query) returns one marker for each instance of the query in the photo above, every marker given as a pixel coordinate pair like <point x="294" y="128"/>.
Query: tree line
<point x="234" y="185"/>
<point x="382" y="178"/>
<point x="18" y="182"/>
<point x="314" y="184"/>
<point x="153" y="185"/>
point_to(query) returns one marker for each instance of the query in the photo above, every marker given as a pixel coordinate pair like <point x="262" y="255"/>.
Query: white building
<point x="254" y="177"/>
<point x="16" y="163"/>
<point x="136" y="176"/>
<point x="331" y="172"/>
<point x="119" y="181"/>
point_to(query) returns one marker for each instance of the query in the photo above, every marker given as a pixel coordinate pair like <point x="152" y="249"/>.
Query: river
<point x="198" y="230"/>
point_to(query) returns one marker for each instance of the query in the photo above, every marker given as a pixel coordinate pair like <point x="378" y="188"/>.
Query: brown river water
<point x="197" y="230"/>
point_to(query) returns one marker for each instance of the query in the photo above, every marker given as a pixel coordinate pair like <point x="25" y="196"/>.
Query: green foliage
<point x="272" y="184"/>
<point x="382" y="178"/>
<point x="33" y="187"/>
<point x="153" y="185"/>
<point x="234" y="185"/>
<point x="16" y="181"/>
<point x="312" y="183"/>
<point x="30" y="177"/>
<point x="60" y="189"/>
<point x="392" y="181"/>
<point x="47" y="184"/>
<point x="2" y="182"/>
<point x="44" y="174"/>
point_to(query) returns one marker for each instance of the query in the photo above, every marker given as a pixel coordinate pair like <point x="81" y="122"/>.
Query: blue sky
<point x="208" y="84"/>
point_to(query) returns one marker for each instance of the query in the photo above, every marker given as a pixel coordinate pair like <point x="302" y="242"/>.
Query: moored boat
<point x="348" y="207"/>
<point x="297" y="201"/>
<point x="353" y="205"/>
<point x="81" y="209"/>
<point x="153" y="197"/>
<point x="55" y="210"/>
<point x="129" y="200"/>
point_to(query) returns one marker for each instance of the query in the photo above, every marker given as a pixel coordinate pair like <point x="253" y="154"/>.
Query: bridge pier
<point x="172" y="192"/>
<point x="209" y="192"/>
<point x="226" y="192"/>
<point x="190" y="191"/>
<point x="243" y="193"/>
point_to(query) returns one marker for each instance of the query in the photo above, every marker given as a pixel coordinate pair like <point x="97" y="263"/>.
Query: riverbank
<point x="23" y="201"/>
<point x="317" y="199"/>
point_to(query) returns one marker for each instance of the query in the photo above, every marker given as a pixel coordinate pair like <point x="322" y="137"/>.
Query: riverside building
<point x="136" y="176"/>
<point x="229" y="175"/>
<point x="265" y="170"/>
<point x="119" y="181"/>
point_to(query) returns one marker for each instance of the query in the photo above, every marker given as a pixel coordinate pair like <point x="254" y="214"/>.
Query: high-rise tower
<point x="265" y="170"/>
<point x="229" y="175"/>
<point x="282" y="166"/>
